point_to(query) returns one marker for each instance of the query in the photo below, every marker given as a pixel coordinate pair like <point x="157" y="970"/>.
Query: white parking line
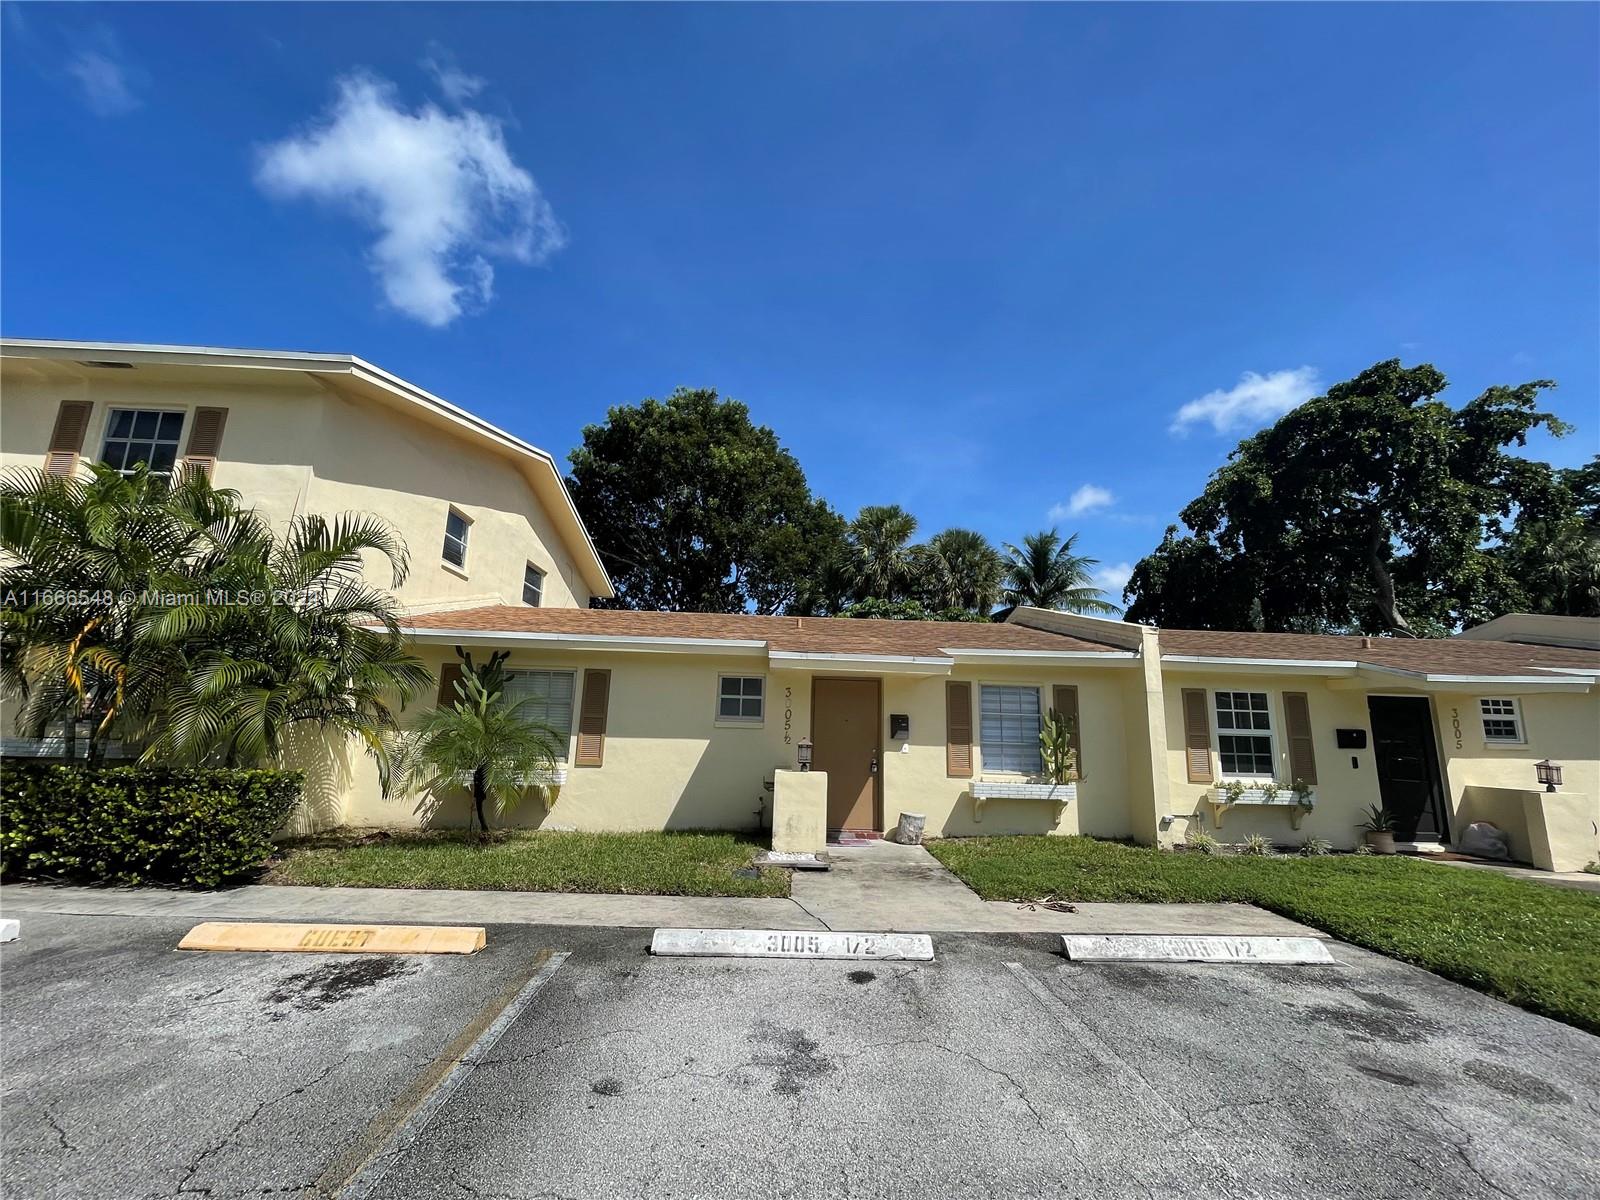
<point x="354" y="1176"/>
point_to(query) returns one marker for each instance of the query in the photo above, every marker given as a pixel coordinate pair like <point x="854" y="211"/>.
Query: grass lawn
<point x="1536" y="946"/>
<point x="647" y="864"/>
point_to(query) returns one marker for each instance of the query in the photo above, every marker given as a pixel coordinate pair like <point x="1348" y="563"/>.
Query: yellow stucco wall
<point x="669" y="763"/>
<point x="1563" y="726"/>
<point x="294" y="445"/>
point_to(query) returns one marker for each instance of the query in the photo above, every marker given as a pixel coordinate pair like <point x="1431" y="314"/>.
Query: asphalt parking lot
<point x="1000" y="1070"/>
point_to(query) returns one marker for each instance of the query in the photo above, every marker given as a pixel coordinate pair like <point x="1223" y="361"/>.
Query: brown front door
<point x="844" y="736"/>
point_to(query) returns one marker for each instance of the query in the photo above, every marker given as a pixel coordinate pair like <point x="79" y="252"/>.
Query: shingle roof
<point x="1443" y="656"/>
<point x="822" y="635"/>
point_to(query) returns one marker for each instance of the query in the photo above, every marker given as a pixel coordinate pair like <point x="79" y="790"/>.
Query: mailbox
<point x="1351" y="739"/>
<point x="899" y="726"/>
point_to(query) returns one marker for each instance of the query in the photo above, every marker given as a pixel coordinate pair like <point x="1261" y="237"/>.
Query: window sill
<point x="1488" y="745"/>
<point x="458" y="572"/>
<point x="732" y="723"/>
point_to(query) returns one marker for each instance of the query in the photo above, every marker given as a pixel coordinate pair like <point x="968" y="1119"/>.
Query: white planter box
<point x="1297" y="804"/>
<point x="1059" y="794"/>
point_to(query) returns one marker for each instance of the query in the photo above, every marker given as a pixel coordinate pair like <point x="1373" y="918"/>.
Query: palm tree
<point x="480" y="740"/>
<point x="1045" y="573"/>
<point x="168" y="615"/>
<point x="960" y="569"/>
<point x="880" y="536"/>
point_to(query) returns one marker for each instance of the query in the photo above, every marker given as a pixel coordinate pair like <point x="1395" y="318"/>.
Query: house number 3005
<point x="1455" y="726"/>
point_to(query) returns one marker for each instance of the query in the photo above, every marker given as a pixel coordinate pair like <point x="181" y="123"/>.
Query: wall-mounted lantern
<point x="802" y="753"/>
<point x="1549" y="774"/>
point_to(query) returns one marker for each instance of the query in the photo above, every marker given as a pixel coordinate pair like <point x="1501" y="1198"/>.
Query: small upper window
<point x="455" y="538"/>
<point x="1244" y="733"/>
<point x="532" y="586"/>
<point x="741" y="698"/>
<point x="1502" y="721"/>
<point x="148" y="436"/>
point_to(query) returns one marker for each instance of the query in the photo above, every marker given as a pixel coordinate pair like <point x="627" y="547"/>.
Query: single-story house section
<point x="681" y="720"/>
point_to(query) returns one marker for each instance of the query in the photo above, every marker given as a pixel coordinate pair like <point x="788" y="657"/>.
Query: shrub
<point x="1200" y="840"/>
<point x="1258" y="845"/>
<point x="190" y="828"/>
<point x="1315" y="847"/>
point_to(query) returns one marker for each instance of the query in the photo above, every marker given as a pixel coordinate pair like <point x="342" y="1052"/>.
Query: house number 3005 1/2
<point x="1455" y="726"/>
<point x="788" y="712"/>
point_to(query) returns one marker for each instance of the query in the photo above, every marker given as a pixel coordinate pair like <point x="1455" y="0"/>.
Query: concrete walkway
<point x="1582" y="881"/>
<point x="875" y="886"/>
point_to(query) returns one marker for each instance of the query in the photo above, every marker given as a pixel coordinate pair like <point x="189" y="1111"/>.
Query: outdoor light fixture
<point x="802" y="753"/>
<point x="1549" y="773"/>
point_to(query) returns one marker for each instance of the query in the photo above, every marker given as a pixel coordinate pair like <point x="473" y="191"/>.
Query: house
<point x="486" y="516"/>
<point x="690" y="720"/>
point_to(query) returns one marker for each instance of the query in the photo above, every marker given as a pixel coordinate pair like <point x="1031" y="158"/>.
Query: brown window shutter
<point x="1196" y="735"/>
<point x="592" y="719"/>
<point x="1065" y="702"/>
<point x="205" y="439"/>
<point x="449" y="676"/>
<point x="66" y="439"/>
<point x="1302" y="753"/>
<point x="958" y="730"/>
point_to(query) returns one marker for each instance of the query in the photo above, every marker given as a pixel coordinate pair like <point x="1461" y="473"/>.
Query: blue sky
<point x="973" y="260"/>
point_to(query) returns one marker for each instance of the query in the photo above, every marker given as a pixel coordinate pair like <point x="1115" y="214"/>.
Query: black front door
<point x="1408" y="765"/>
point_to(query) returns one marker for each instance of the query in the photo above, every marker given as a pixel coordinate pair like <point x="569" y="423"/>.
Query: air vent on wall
<point x="105" y="365"/>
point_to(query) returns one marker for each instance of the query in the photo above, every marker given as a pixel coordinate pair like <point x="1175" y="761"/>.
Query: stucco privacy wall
<point x="294" y="445"/>
<point x="1564" y="727"/>
<point x="669" y="763"/>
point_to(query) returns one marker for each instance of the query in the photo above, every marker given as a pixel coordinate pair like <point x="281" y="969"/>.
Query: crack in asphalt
<point x="222" y="1143"/>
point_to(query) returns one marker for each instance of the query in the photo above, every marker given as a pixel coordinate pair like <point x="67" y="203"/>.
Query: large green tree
<point x="1551" y="558"/>
<point x="695" y="508"/>
<point x="880" y="542"/>
<point x="168" y="616"/>
<point x="1044" y="572"/>
<point x="1375" y="507"/>
<point x="957" y="569"/>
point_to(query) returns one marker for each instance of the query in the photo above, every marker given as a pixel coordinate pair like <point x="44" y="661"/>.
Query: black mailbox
<point x="1351" y="739"/>
<point x="899" y="726"/>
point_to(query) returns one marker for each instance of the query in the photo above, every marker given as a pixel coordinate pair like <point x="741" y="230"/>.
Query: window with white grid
<point x="1502" y="721"/>
<point x="741" y="698"/>
<point x="1244" y="734"/>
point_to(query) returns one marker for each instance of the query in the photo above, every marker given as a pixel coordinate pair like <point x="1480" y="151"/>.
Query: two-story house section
<point x="486" y="516"/>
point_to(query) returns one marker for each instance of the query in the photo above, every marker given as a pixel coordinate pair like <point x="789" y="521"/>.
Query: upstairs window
<point x="532" y="586"/>
<point x="1008" y="729"/>
<point x="1502" y="722"/>
<point x="142" y="435"/>
<point x="456" y="527"/>
<point x="1244" y="734"/>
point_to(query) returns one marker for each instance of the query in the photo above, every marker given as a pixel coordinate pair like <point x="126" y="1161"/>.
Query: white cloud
<point x="103" y="81"/>
<point x="457" y="85"/>
<point x="440" y="189"/>
<point x="1255" y="400"/>
<point x="1113" y="577"/>
<point x="1086" y="499"/>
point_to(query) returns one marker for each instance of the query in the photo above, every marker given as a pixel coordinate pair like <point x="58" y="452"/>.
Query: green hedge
<point x="189" y="828"/>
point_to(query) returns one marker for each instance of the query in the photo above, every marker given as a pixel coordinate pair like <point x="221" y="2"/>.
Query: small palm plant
<point x="482" y="741"/>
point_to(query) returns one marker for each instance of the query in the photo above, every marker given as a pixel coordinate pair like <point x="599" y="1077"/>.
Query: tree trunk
<point x="1393" y="619"/>
<point x="479" y="795"/>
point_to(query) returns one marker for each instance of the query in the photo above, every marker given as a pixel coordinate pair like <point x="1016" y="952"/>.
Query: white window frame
<point x="543" y="575"/>
<point x="465" y="539"/>
<point x="985" y="766"/>
<point x="1507" y="708"/>
<point x="572" y="703"/>
<point x="1270" y="733"/>
<point x="177" y="449"/>
<point x="741" y="721"/>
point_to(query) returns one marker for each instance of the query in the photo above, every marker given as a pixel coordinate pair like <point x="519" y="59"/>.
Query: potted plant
<point x="1379" y="827"/>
